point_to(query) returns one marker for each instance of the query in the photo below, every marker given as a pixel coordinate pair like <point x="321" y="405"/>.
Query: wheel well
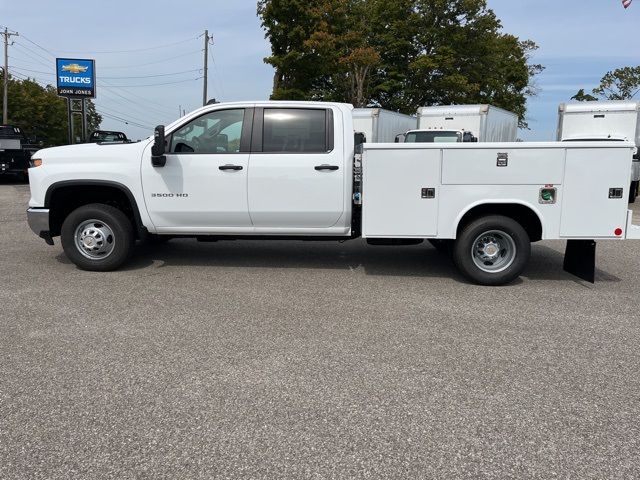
<point x="63" y="200"/>
<point x="522" y="214"/>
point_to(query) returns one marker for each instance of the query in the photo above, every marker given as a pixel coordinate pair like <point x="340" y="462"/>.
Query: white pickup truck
<point x="292" y="170"/>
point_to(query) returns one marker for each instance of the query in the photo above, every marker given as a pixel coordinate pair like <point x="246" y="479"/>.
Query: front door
<point x="296" y="173"/>
<point x="203" y="185"/>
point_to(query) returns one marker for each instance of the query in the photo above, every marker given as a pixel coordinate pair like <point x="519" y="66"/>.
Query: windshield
<point x="8" y="131"/>
<point x="108" y="137"/>
<point x="433" y="137"/>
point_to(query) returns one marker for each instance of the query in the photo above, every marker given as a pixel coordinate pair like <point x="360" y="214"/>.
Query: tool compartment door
<point x="587" y="210"/>
<point x="394" y="202"/>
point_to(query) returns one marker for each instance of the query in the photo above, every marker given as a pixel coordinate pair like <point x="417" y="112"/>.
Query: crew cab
<point x="295" y="170"/>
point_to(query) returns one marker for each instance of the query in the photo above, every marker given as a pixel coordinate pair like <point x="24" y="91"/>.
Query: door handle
<point x="326" y="167"/>
<point x="230" y="167"/>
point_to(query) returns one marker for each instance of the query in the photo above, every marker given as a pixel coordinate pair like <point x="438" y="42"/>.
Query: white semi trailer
<point x="379" y="125"/>
<point x="464" y="123"/>
<point x="603" y="121"/>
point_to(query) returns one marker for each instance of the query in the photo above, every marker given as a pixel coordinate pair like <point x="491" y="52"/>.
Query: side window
<point x="294" y="130"/>
<point x="214" y="132"/>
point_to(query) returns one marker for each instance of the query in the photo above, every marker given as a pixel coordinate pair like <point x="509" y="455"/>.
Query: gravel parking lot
<point x="312" y="360"/>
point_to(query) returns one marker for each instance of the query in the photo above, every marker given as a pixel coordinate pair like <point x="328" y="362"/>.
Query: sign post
<point x="76" y="80"/>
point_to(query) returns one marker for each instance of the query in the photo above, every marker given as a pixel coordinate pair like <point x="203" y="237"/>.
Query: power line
<point x="130" y="95"/>
<point x="26" y="49"/>
<point x="113" y="111"/>
<point x="39" y="46"/>
<point x="22" y="60"/>
<point x="33" y="71"/>
<point x="122" y="120"/>
<point x="133" y="105"/>
<point x="120" y="78"/>
<point x="155" y="75"/>
<point x="158" y="84"/>
<point x="152" y="63"/>
<point x="132" y="50"/>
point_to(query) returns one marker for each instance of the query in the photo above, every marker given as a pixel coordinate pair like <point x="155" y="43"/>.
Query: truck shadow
<point x="546" y="264"/>
<point x="404" y="261"/>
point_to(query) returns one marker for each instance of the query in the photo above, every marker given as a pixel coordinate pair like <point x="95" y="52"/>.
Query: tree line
<point x="397" y="54"/>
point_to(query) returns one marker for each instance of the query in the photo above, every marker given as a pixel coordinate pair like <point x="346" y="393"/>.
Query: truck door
<point x="203" y="184"/>
<point x="296" y="176"/>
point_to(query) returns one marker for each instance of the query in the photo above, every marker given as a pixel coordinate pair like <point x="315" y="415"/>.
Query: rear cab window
<point x="296" y="130"/>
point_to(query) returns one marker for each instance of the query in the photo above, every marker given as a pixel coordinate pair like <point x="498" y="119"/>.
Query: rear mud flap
<point x="580" y="259"/>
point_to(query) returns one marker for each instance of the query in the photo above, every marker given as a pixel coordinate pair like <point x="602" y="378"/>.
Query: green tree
<point x="582" y="96"/>
<point x="619" y="84"/>
<point x="39" y="111"/>
<point x="399" y="54"/>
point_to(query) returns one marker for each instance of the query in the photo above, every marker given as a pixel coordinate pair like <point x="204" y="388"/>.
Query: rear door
<point x="296" y="176"/>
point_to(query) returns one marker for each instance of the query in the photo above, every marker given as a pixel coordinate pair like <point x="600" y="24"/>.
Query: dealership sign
<point x="76" y="77"/>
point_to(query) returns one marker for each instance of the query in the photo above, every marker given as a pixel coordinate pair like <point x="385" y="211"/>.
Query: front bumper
<point x="38" y="219"/>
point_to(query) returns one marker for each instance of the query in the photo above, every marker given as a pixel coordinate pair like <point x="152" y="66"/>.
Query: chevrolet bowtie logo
<point x="74" y="68"/>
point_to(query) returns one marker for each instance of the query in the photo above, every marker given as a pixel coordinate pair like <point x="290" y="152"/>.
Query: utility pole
<point x="5" y="96"/>
<point x="206" y="65"/>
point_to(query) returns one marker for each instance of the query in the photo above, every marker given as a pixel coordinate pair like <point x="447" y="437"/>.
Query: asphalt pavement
<point x="312" y="360"/>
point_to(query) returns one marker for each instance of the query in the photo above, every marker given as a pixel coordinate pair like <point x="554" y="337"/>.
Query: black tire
<point x="516" y="240"/>
<point x="120" y="245"/>
<point x="22" y="177"/>
<point x="444" y="247"/>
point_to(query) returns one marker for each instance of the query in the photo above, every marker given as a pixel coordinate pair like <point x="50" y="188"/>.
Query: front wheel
<point x="492" y="250"/>
<point x="97" y="237"/>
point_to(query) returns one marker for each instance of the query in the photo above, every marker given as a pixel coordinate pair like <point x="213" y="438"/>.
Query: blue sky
<point x="579" y="41"/>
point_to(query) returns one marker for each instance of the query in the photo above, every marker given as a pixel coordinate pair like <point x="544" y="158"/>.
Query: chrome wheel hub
<point x="94" y="239"/>
<point x="493" y="251"/>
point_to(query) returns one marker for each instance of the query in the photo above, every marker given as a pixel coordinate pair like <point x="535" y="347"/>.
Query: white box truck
<point x="598" y="121"/>
<point x="379" y="125"/>
<point x="464" y="123"/>
<point x="292" y="170"/>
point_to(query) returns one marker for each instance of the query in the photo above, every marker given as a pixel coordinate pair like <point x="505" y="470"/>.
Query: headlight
<point x="36" y="162"/>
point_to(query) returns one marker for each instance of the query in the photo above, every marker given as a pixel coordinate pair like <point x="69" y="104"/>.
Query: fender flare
<point x="142" y="230"/>
<point x="481" y="203"/>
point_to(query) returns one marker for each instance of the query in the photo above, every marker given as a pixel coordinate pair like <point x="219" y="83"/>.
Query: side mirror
<point x="399" y="138"/>
<point x="158" y="159"/>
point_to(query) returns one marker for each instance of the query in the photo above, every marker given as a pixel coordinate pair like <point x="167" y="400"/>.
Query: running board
<point x="580" y="259"/>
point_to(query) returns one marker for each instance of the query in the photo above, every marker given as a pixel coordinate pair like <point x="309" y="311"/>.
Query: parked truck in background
<point x="379" y="125"/>
<point x="463" y="123"/>
<point x="292" y="170"/>
<point x="616" y="120"/>
<point x="15" y="152"/>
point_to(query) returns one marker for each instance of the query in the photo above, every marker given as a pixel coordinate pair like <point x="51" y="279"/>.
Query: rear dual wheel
<point x="492" y="250"/>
